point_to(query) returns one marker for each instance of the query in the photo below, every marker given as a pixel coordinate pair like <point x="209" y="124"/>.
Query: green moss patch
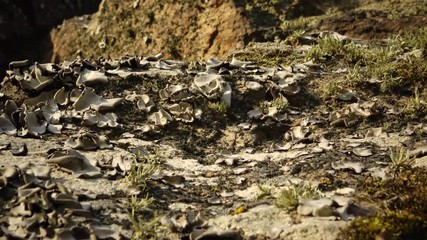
<point x="403" y="200"/>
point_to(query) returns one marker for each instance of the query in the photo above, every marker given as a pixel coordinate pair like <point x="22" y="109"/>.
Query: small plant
<point x="139" y="204"/>
<point x="327" y="47"/>
<point x="142" y="228"/>
<point x="399" y="157"/>
<point x="140" y="171"/>
<point x="401" y="75"/>
<point x="331" y="88"/>
<point x="294" y="38"/>
<point x="218" y="107"/>
<point x="357" y="54"/>
<point x="417" y="105"/>
<point x="402" y="197"/>
<point x="265" y="192"/>
<point x="280" y="103"/>
<point x="298" y="24"/>
<point x="416" y="39"/>
<point x="397" y="225"/>
<point x="289" y="197"/>
<point x="355" y="76"/>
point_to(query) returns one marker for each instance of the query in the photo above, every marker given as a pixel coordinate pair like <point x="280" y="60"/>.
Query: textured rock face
<point x="179" y="29"/>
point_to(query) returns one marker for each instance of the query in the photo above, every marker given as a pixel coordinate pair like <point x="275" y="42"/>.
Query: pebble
<point x="239" y="171"/>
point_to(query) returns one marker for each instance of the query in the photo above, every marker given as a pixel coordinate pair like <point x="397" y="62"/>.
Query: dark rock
<point x="25" y="26"/>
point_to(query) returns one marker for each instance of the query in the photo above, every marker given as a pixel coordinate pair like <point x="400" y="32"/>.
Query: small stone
<point x="357" y="167"/>
<point x="240" y="180"/>
<point x="317" y="150"/>
<point x="362" y="152"/>
<point x="239" y="171"/>
<point x="250" y="150"/>
<point x="214" y="200"/>
<point x="22" y="151"/>
<point x="253" y="85"/>
<point x="299" y="146"/>
<point x="305" y="210"/>
<point x="347" y="95"/>
<point x="226" y="194"/>
<point x="168" y="223"/>
<point x="318" y="208"/>
<point x="231" y="161"/>
<point x="245" y="126"/>
<point x="345" y="191"/>
<point x="324" y="211"/>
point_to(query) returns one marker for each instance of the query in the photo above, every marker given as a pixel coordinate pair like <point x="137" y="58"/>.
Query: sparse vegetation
<point x="143" y="228"/>
<point x="391" y="74"/>
<point x="404" y="75"/>
<point x="141" y="169"/>
<point x="327" y="48"/>
<point x="280" y="103"/>
<point x="289" y="197"/>
<point x="396" y="225"/>
<point x="219" y="108"/>
<point x="144" y="225"/>
<point x="400" y="158"/>
<point x="355" y="76"/>
<point x="302" y="23"/>
<point x="331" y="88"/>
<point x="265" y="192"/>
<point x="139" y="204"/>
<point x="403" y="200"/>
<point x="417" y="105"/>
<point x="398" y="65"/>
<point x="294" y="38"/>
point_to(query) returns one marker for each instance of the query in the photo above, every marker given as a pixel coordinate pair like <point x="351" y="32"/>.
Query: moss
<point x="294" y="38"/>
<point x="267" y="54"/>
<point x="331" y="88"/>
<point x="265" y="192"/>
<point x="327" y="48"/>
<point x="280" y="103"/>
<point x="405" y="74"/>
<point x="416" y="107"/>
<point x="302" y="23"/>
<point x="400" y="64"/>
<point x="413" y="40"/>
<point x="219" y="108"/>
<point x="404" y="214"/>
<point x="397" y="225"/>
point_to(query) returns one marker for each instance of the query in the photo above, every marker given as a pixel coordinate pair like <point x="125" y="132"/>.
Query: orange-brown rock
<point x="179" y="29"/>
